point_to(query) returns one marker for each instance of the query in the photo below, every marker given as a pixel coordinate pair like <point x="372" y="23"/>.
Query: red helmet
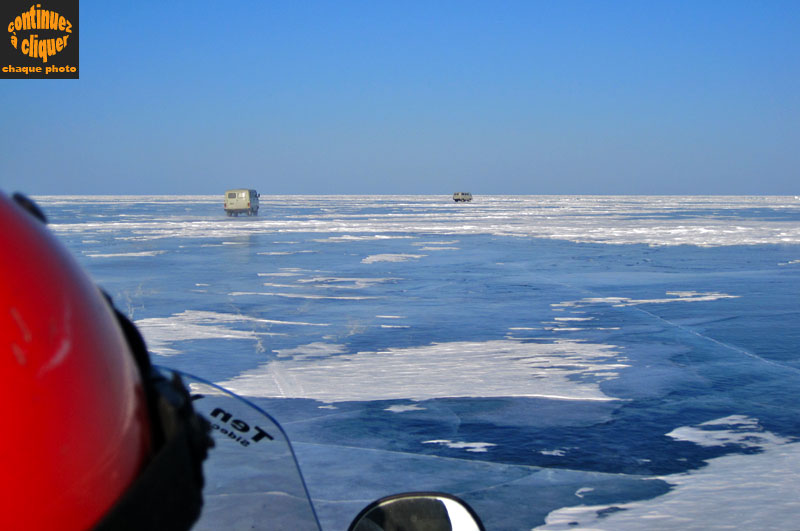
<point x="75" y="412"/>
<point x="95" y="436"/>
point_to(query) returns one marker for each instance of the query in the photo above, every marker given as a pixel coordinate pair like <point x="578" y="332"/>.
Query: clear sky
<point x="416" y="97"/>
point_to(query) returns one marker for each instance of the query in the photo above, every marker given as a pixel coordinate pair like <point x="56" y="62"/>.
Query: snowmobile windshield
<point x="215" y="451"/>
<point x="252" y="479"/>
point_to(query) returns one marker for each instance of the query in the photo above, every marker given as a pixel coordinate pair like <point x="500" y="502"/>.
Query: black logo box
<point x="63" y="64"/>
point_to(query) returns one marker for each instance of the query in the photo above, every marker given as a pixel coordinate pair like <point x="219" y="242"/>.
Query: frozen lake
<point x="560" y="362"/>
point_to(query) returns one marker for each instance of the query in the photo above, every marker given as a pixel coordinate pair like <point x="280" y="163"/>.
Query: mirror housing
<point x="417" y="511"/>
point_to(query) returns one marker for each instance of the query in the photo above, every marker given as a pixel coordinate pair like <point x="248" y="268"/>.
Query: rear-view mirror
<point x="417" y="511"/>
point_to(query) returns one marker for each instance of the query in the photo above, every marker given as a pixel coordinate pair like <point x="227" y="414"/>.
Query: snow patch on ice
<point x="561" y="370"/>
<point x="619" y="302"/>
<point x="736" y="430"/>
<point x="123" y="255"/>
<point x="350" y="238"/>
<point x="448" y="242"/>
<point x="402" y="408"/>
<point x="317" y="349"/>
<point x="283" y="253"/>
<point x="558" y="452"/>
<point x="468" y="446"/>
<point x="345" y="282"/>
<point x="401" y="257"/>
<point x="298" y="295"/>
<point x="739" y="491"/>
<point x="160" y="332"/>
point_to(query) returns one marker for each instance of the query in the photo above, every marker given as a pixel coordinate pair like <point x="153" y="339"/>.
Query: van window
<point x="241" y="194"/>
<point x="232" y="195"/>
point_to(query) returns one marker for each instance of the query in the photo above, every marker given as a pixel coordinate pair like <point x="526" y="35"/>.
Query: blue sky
<point x="406" y="97"/>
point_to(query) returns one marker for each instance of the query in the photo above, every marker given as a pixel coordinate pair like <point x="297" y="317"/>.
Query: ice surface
<point x="567" y="362"/>
<point x="661" y="220"/>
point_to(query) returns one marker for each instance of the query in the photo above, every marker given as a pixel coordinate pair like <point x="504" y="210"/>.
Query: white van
<point x="241" y="201"/>
<point x="462" y="197"/>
